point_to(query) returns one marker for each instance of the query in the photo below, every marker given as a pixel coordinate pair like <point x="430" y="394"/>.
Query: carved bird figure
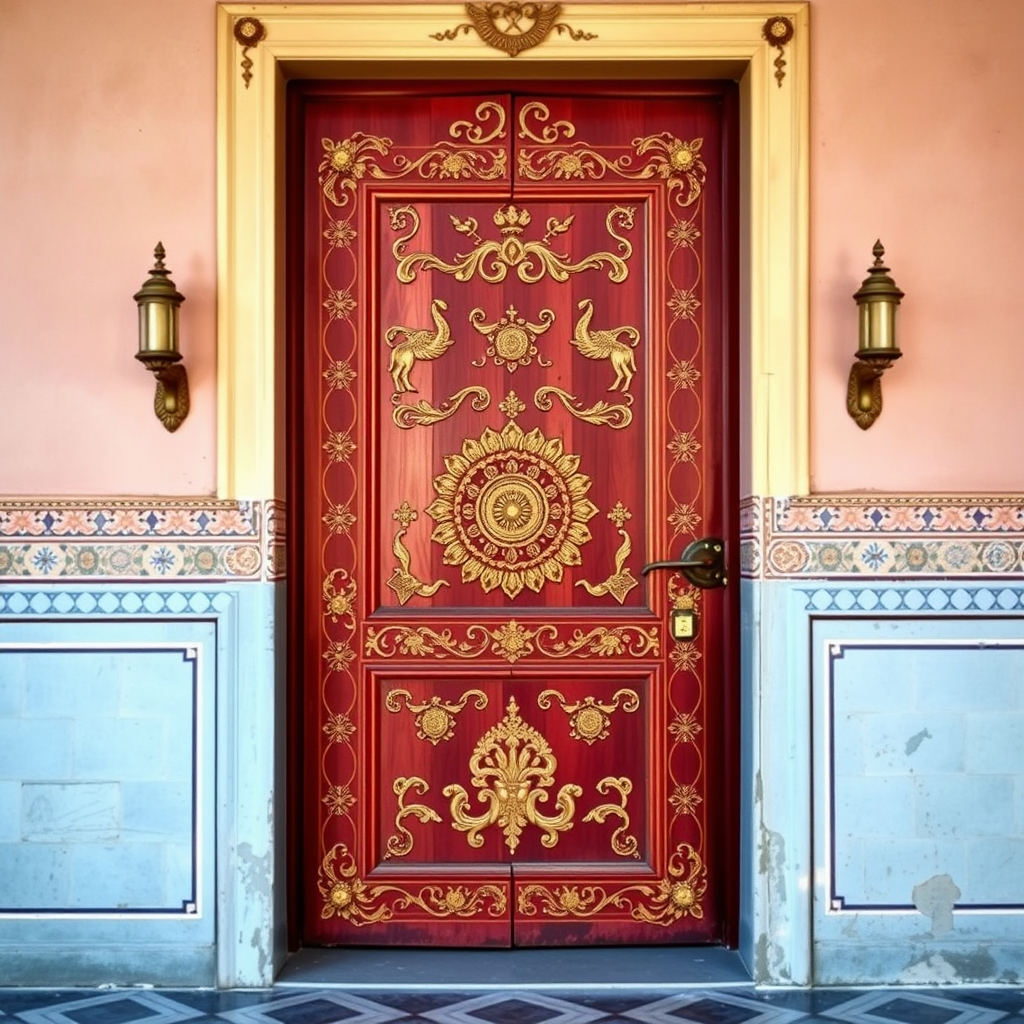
<point x="605" y="344"/>
<point x="420" y="343"/>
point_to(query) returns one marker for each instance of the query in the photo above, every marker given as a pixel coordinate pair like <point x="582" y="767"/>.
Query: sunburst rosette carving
<point x="511" y="510"/>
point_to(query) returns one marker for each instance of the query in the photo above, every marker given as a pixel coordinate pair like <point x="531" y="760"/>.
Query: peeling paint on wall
<point x="916" y="740"/>
<point x="935" y="899"/>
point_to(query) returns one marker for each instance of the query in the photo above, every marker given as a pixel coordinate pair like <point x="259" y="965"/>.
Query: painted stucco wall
<point x="107" y="145"/>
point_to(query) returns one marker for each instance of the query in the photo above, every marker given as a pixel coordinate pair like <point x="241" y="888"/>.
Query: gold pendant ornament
<point x="511" y="338"/>
<point x="511" y="510"/>
<point x="513" y="766"/>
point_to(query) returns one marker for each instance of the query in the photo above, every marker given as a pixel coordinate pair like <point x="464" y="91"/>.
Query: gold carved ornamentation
<point x="532" y="259"/>
<point x="677" y="896"/>
<point x="400" y="844"/>
<point x="511" y="510"/>
<point x="420" y="343"/>
<point x="340" y="601"/>
<point x="622" y="581"/>
<point x="635" y="641"/>
<point x="512" y="641"/>
<point x="423" y="414"/>
<point x="513" y="27"/>
<point x="248" y="33"/>
<point x="345" y="163"/>
<point x="511" y="338"/>
<point x="623" y="844"/>
<point x="513" y="767"/>
<point x="588" y="718"/>
<point x="601" y="413"/>
<point x="605" y="344"/>
<point x="511" y="405"/>
<point x="674" y="160"/>
<point x="348" y="897"/>
<point x="778" y="31"/>
<point x="435" y="719"/>
<point x="402" y="581"/>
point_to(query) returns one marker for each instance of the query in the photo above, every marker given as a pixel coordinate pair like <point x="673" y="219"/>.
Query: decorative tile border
<point x="842" y="536"/>
<point x="135" y="539"/>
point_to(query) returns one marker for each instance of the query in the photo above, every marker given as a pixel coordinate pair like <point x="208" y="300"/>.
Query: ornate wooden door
<point x="512" y="398"/>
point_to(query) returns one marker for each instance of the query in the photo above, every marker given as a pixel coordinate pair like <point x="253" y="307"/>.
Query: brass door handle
<point x="702" y="563"/>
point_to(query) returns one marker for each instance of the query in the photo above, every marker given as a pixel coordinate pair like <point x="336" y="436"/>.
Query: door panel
<point x="513" y="399"/>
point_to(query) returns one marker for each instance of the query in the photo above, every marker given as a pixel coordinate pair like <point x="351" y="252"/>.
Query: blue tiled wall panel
<point x="918" y="783"/>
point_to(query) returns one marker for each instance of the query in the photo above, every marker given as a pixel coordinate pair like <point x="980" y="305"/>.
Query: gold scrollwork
<point x="348" y="897"/>
<point x="400" y="844"/>
<point x="423" y="414"/>
<point x="420" y="343"/>
<point x="501" y="25"/>
<point x="511" y="338"/>
<point x="605" y="344"/>
<point x="345" y="163"/>
<point x="677" y="896"/>
<point x="532" y="259"/>
<point x="601" y="413"/>
<point x="588" y="718"/>
<point x="511" y="641"/>
<point x="622" y="581"/>
<point x="778" y="31"/>
<point x="340" y="601"/>
<point x="676" y="161"/>
<point x="248" y="33"/>
<point x="513" y="767"/>
<point x="622" y="844"/>
<point x="512" y="510"/>
<point x="402" y="581"/>
<point x="435" y="719"/>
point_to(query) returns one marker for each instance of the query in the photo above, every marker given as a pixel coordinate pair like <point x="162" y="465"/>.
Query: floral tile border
<point x="839" y="536"/>
<point x="135" y="539"/>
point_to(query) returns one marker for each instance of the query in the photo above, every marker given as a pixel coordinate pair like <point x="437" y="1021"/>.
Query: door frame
<point x="377" y="40"/>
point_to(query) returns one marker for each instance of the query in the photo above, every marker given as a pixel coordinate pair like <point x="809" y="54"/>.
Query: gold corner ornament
<point x="512" y="510"/>
<point x="513" y="27"/>
<point x="778" y="31"/>
<point x="435" y="718"/>
<point x="676" y="161"/>
<point x="513" y="766"/>
<point x="622" y="581"/>
<point x="402" y="581"/>
<point x="531" y="259"/>
<point x="588" y="718"/>
<point x="348" y="897"/>
<point x="248" y="33"/>
<point x="345" y="163"/>
<point x="678" y="895"/>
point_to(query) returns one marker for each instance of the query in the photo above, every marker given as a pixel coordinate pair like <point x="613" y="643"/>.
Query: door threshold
<point x="471" y="970"/>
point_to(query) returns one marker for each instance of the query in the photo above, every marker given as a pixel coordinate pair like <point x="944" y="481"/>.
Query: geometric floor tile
<point x="713" y="1007"/>
<point x="113" y="1008"/>
<point x="910" y="1007"/>
<point x="315" y="1008"/>
<point x="513" y="1008"/>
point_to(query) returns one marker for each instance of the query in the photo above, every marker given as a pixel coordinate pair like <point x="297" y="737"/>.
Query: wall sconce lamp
<point x="158" y="300"/>
<point x="878" y="298"/>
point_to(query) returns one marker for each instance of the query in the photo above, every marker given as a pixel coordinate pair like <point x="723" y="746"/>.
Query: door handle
<point x="702" y="563"/>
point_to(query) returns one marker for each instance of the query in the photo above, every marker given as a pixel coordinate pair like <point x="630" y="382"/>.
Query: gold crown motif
<point x="511" y="219"/>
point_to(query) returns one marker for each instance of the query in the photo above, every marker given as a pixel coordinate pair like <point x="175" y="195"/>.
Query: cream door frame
<point x="380" y="40"/>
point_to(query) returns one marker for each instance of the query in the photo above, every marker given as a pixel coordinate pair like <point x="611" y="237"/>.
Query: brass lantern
<point x="159" y="301"/>
<point x="877" y="299"/>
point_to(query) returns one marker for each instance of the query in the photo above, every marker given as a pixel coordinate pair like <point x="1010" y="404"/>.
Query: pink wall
<point x="107" y="145"/>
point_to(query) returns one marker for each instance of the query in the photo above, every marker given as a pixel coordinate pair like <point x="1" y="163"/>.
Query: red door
<point x="512" y="398"/>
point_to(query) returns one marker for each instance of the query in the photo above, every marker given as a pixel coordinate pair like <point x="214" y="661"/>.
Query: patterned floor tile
<point x="514" y="1008"/>
<point x="895" y="1007"/>
<point x="113" y="1008"/>
<point x="316" y="1007"/>
<point x="709" y="1007"/>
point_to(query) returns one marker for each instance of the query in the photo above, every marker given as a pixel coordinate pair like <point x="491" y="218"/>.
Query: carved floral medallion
<point x="512" y="510"/>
